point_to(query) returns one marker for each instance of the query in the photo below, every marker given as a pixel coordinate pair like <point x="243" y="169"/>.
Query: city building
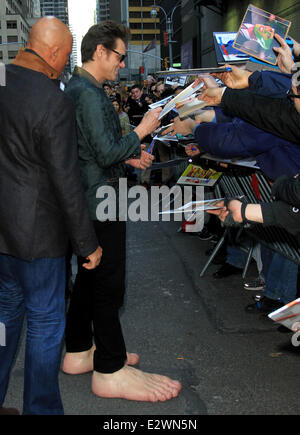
<point x="15" y="23"/>
<point x="56" y="8"/>
<point x="36" y="8"/>
<point x="144" y="54"/>
<point x="103" y="10"/>
<point x="74" y="55"/>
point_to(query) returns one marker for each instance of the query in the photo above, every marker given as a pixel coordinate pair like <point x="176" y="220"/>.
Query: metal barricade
<point x="233" y="183"/>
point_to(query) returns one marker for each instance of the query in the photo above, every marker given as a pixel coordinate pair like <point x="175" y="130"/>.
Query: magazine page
<point x="189" y="106"/>
<point x="187" y="92"/>
<point x="197" y="176"/>
<point x="288" y="315"/>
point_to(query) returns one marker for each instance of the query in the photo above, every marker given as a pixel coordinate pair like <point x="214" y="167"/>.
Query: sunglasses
<point x="291" y="95"/>
<point x="122" y="56"/>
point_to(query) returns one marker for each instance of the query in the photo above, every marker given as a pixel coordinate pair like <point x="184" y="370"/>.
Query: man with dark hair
<point x="97" y="297"/>
<point x="43" y="207"/>
<point x="138" y="105"/>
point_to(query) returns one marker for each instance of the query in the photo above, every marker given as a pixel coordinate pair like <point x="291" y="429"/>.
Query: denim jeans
<point x="280" y="276"/>
<point x="35" y="289"/>
<point x="235" y="256"/>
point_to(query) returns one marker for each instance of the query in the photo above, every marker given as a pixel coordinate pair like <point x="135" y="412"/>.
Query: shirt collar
<point x="81" y="72"/>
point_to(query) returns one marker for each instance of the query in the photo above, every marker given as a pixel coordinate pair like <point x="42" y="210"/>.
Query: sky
<point x="81" y="18"/>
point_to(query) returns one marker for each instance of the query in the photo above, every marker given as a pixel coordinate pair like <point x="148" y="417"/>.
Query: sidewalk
<point x="194" y="330"/>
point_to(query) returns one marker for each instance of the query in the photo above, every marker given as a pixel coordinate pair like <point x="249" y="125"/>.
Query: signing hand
<point x="149" y="123"/>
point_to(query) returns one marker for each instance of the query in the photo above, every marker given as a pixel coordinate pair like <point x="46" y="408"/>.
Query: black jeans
<point x="96" y="299"/>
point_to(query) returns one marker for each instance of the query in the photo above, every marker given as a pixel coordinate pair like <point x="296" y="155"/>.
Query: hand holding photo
<point x="196" y="206"/>
<point x="256" y="34"/>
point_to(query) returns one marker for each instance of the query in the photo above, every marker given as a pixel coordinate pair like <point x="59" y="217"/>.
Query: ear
<point x="100" y="50"/>
<point x="54" y="53"/>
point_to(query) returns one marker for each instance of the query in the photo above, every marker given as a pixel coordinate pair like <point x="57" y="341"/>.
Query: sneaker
<point x="256" y="285"/>
<point x="204" y="234"/>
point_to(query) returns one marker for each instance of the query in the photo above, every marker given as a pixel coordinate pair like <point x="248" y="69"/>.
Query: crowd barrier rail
<point x="254" y="185"/>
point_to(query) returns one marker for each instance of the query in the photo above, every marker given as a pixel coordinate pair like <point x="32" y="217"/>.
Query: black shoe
<point x="227" y="270"/>
<point x="263" y="306"/>
<point x="256" y="284"/>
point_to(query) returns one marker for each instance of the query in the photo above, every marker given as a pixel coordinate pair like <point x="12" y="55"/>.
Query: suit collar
<point x="30" y="59"/>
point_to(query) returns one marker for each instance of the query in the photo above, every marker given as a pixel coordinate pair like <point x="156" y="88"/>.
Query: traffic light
<point x="166" y="63"/>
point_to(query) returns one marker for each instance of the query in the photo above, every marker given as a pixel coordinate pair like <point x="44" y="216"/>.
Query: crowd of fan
<point x="240" y="131"/>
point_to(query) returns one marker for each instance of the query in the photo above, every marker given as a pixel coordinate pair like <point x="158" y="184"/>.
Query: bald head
<point x="52" y="40"/>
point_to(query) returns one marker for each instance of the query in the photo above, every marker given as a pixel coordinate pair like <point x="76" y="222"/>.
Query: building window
<point x="12" y="38"/>
<point x="11" y="24"/>
<point x="1" y="55"/>
<point x="12" y="54"/>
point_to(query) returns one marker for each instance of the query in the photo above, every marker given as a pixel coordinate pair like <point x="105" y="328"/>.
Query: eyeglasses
<point x="291" y="95"/>
<point x="122" y="56"/>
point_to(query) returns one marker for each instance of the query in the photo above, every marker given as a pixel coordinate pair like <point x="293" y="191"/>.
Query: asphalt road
<point x="194" y="330"/>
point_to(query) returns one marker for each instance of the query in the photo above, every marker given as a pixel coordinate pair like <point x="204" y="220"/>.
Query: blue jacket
<point x="233" y="137"/>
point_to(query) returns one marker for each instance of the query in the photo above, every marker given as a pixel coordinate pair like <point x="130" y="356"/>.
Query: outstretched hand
<point x="212" y="96"/>
<point x="233" y="207"/>
<point x="181" y="126"/>
<point x="237" y="78"/>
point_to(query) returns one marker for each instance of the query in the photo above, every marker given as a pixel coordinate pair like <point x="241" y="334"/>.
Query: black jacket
<point x="137" y="110"/>
<point x="42" y="200"/>
<point x="274" y="115"/>
<point x="285" y="210"/>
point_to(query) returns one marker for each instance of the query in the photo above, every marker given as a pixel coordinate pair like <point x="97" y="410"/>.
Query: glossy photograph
<point x="256" y="34"/>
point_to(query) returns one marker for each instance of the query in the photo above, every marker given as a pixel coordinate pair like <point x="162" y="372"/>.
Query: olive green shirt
<point x="101" y="147"/>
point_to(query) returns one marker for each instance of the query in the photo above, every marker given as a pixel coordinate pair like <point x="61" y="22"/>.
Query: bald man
<point x="43" y="207"/>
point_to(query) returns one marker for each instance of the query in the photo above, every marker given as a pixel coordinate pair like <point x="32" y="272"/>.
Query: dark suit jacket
<point x="42" y="201"/>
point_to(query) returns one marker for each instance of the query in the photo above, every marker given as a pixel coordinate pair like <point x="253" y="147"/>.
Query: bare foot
<point x="132" y="384"/>
<point x="77" y="363"/>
